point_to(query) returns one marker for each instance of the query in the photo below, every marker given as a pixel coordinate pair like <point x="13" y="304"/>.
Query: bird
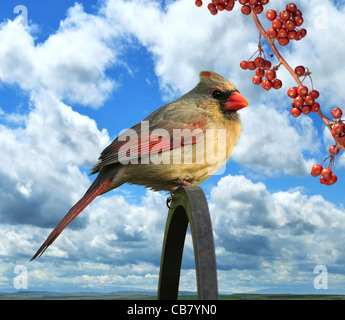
<point x="171" y="147"/>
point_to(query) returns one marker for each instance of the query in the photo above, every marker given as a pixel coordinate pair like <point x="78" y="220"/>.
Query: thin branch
<point x="274" y="49"/>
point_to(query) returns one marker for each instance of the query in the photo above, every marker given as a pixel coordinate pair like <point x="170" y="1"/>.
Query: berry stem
<point x="274" y="48"/>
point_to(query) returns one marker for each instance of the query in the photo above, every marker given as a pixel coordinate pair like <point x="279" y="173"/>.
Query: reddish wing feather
<point x="158" y="139"/>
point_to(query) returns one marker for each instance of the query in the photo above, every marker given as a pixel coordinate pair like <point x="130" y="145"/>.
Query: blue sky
<point x="80" y="72"/>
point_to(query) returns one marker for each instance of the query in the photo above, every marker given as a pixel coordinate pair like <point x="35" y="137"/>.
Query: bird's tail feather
<point x="89" y="196"/>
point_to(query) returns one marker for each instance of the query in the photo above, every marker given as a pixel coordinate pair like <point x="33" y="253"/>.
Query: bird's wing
<point x="145" y="139"/>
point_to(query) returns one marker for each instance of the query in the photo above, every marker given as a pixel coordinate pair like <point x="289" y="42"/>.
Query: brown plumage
<point x="170" y="147"/>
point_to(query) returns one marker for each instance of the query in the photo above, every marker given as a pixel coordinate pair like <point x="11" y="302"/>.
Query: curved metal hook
<point x="188" y="206"/>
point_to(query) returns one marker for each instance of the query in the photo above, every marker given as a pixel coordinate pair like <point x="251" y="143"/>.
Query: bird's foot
<point x="181" y="183"/>
<point x="169" y="199"/>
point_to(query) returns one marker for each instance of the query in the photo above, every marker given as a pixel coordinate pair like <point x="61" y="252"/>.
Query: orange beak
<point x="236" y="102"/>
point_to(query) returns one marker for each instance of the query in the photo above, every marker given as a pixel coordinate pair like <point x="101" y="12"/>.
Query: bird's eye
<point x="216" y="94"/>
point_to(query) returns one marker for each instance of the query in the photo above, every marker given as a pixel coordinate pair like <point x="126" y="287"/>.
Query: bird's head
<point x="222" y="92"/>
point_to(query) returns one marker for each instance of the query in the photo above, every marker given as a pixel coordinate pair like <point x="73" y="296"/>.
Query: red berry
<point x="302" y="90"/>
<point x="323" y="181"/>
<point x="298" y="13"/>
<point x="259" y="62"/>
<point x="244" y="65"/>
<point x="332" y="180"/>
<point x="283" y="41"/>
<point x="284" y="15"/>
<point x="295" y="111"/>
<point x="277" y="84"/>
<point x="270" y="74"/>
<point x="335" y="134"/>
<point x="315" y="107"/>
<point x="251" y="65"/>
<point x="246" y="9"/>
<point x="282" y="33"/>
<point x="332" y="148"/>
<point x="303" y="32"/>
<point x="326" y="182"/>
<point x="267" y="65"/>
<point x="198" y="3"/>
<point x="266" y="84"/>
<point x="220" y="7"/>
<point x="300" y="71"/>
<point x="298" y="35"/>
<point x="292" y="34"/>
<point x="211" y="7"/>
<point x="271" y="14"/>
<point x="338" y="128"/>
<point x="314" y="93"/>
<point x="243" y="1"/>
<point x="292" y="92"/>
<point x="289" y="25"/>
<point x="257" y="79"/>
<point x="291" y="7"/>
<point x="306" y="109"/>
<point x="337" y="113"/>
<point x="309" y="100"/>
<point x="260" y="72"/>
<point x="230" y="5"/>
<point x="253" y="2"/>
<point x="264" y="2"/>
<point x="298" y="101"/>
<point x="316" y="170"/>
<point x="272" y="33"/>
<point x="298" y="21"/>
<point x="326" y="173"/>
<point x="277" y="23"/>
<point x="258" y="9"/>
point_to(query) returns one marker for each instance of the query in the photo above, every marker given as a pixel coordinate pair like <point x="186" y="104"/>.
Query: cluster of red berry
<point x="247" y="5"/>
<point x="284" y="27"/>
<point x="304" y="100"/>
<point x="338" y="127"/>
<point x="338" y="131"/>
<point x="263" y="69"/>
<point x="327" y="176"/>
<point x="217" y="5"/>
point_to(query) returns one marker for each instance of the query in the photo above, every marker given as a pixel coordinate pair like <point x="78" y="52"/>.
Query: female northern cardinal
<point x="155" y="155"/>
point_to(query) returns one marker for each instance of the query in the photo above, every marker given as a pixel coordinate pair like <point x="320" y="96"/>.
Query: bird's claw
<point x="171" y="198"/>
<point x="180" y="182"/>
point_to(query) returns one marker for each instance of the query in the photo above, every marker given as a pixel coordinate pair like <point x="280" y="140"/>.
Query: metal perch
<point x="189" y="206"/>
